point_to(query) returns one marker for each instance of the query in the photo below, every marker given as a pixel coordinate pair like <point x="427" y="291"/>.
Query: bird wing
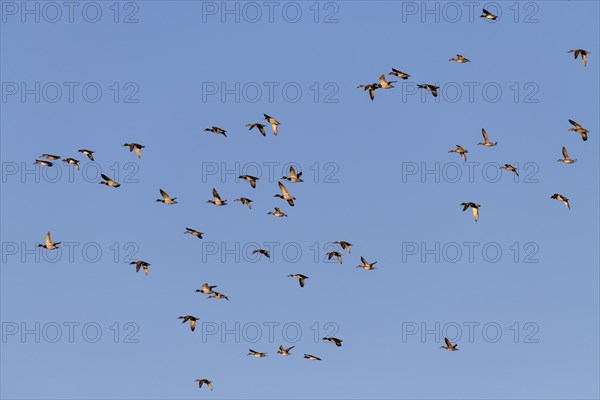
<point x="362" y="259"/>
<point x="485" y="136"/>
<point x="564" y="152"/>
<point x="475" y="213"/>
<point x="48" y="239"/>
<point x="216" y="195"/>
<point x="283" y="189"/>
<point x="293" y="173"/>
<point x="575" y="124"/>
<point x="448" y="343"/>
<point x="165" y="196"/>
<point x="138" y="151"/>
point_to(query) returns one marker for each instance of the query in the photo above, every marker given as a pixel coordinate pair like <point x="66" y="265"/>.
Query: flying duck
<point x="88" y="153"/>
<point x="217" y="199"/>
<point x="135" y="146"/>
<point x="294" y="177"/>
<point x="251" y="179"/>
<point x="510" y="168"/>
<point x="562" y="198"/>
<point x="371" y="87"/>
<point x="217" y="130"/>
<point x="204" y="381"/>
<point x="429" y="87"/>
<point x="274" y="123"/>
<point x="49" y="244"/>
<point x="43" y="163"/>
<point x="474" y="207"/>
<point x="194" y="232"/>
<point x="285" y="195"/>
<point x="72" y="161"/>
<point x="583" y="53"/>
<point x="486" y="140"/>
<point x="285" y="352"/>
<point x="50" y="157"/>
<point x="384" y="84"/>
<point x="338" y="342"/>
<point x="460" y="59"/>
<point x="262" y="251"/>
<point x="300" y="278"/>
<point x="277" y="213"/>
<point x="206" y="289"/>
<point x="399" y="74"/>
<point x="488" y="15"/>
<point x="332" y="254"/>
<point x="256" y="354"/>
<point x="260" y="127"/>
<point x="311" y="357"/>
<point x="245" y="201"/>
<point x="108" y="182"/>
<point x="190" y="318"/>
<point x="218" y="295"/>
<point x="566" y="159"/>
<point x="140" y="264"/>
<point x="344" y="245"/>
<point x="365" y="265"/>
<point x="579" y="129"/>
<point x="166" y="199"/>
<point x="449" y="345"/>
<point x="460" y="150"/>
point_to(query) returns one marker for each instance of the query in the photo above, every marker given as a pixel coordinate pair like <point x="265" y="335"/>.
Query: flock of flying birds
<point x="295" y="177"/>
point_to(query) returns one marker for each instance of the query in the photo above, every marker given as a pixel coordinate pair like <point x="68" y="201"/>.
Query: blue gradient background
<point x="169" y="53"/>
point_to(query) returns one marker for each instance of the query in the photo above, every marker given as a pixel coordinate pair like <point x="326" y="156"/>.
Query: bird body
<point x="49" y="244"/>
<point x="135" y="146"/>
<point x="474" y="207"/>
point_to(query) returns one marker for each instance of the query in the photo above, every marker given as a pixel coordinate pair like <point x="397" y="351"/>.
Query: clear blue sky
<point x="363" y="194"/>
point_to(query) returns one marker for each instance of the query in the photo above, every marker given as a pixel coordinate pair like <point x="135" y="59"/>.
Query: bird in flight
<point x="135" y="146"/>
<point x="49" y="244"/>
<point x="562" y="198"/>
<point x="488" y="15"/>
<point x="285" y="194"/>
<point x="51" y="157"/>
<point x="245" y="201"/>
<point x="260" y="127"/>
<point x="251" y="179"/>
<point x="474" y="207"/>
<point x="206" y="289"/>
<point x="311" y="357"/>
<point x="218" y="295"/>
<point x="277" y="213"/>
<point x="217" y="199"/>
<point x="166" y="199"/>
<point x="366" y="265"/>
<point x="72" y="161"/>
<point x="300" y="278"/>
<point x="583" y="53"/>
<point x="399" y="74"/>
<point x="190" y="318"/>
<point x="449" y="346"/>
<point x="371" y="87"/>
<point x="336" y="341"/>
<point x="262" y="251"/>
<point x="285" y="352"/>
<point x="384" y="84"/>
<point x="344" y="245"/>
<point x="579" y="129"/>
<point x="460" y="59"/>
<point x="460" y="150"/>
<point x="193" y="232"/>
<point x="88" y="153"/>
<point x="204" y="382"/>
<point x="217" y="130"/>
<point x="332" y="254"/>
<point x="294" y="177"/>
<point x="486" y="140"/>
<point x="566" y="159"/>
<point x="274" y="123"/>
<point x="256" y="354"/>
<point x="43" y="163"/>
<point x="510" y="168"/>
<point x="141" y="264"/>
<point x="432" y="88"/>
<point x="108" y="182"/>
